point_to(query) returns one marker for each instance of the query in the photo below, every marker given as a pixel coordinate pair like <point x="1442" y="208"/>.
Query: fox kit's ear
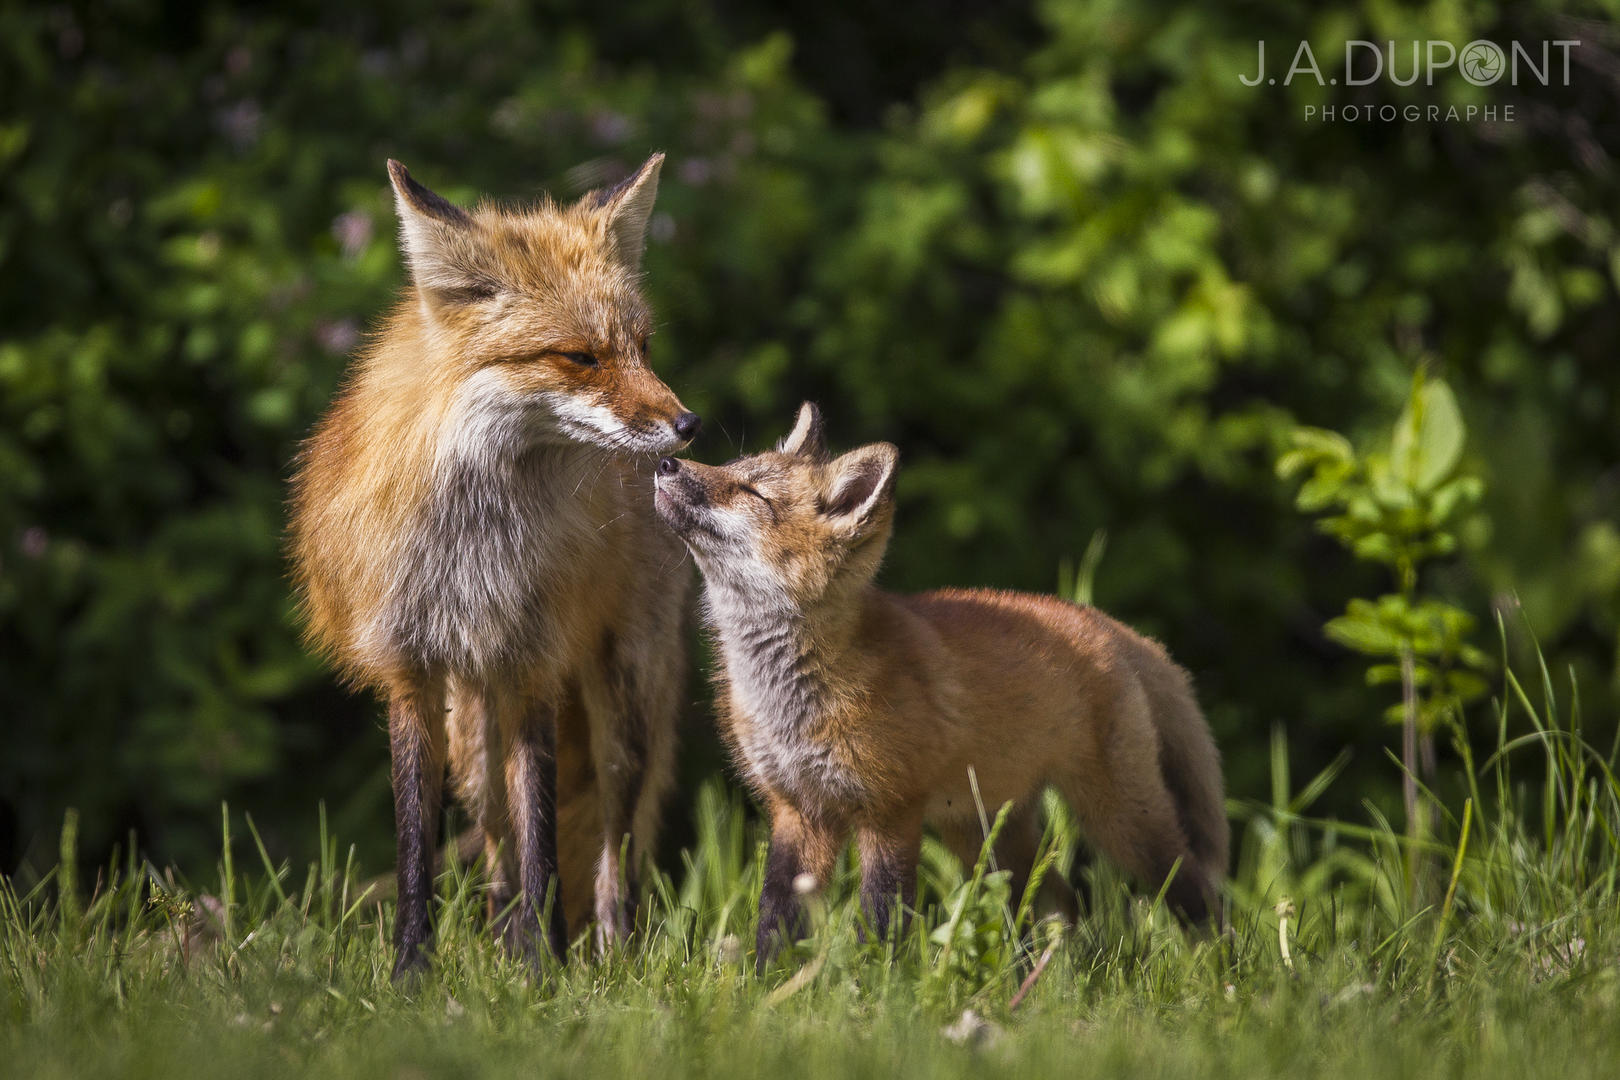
<point x="807" y="438"/>
<point x="436" y="235"/>
<point x="628" y="205"/>
<point x="862" y="485"/>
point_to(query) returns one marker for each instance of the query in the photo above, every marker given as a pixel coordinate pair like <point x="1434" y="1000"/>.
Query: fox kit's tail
<point x="1191" y="767"/>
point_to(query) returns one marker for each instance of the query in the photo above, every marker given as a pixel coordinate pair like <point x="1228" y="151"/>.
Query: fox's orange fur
<point x="853" y="710"/>
<point x="472" y="535"/>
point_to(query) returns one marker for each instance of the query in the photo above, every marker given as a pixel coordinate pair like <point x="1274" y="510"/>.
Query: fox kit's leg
<point x="528" y="731"/>
<point x="632" y="700"/>
<point x="798" y="846"/>
<point x="416" y="737"/>
<point x="1131" y="819"/>
<point x="889" y="851"/>
<point x="1015" y="849"/>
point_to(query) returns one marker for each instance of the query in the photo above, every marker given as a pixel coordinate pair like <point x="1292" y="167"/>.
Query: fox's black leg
<point x="801" y="852"/>
<point x="889" y="872"/>
<point x="531" y="785"/>
<point x="416" y="737"/>
<point x="781" y="915"/>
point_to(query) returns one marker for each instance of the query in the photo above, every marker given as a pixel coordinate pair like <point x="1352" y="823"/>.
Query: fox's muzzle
<point x="680" y="497"/>
<point x="686" y="425"/>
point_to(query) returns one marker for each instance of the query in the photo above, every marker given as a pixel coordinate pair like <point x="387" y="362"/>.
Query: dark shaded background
<point x="1057" y="252"/>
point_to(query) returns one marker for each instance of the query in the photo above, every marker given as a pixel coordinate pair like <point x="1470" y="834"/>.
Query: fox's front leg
<point x="632" y="705"/>
<point x="798" y="848"/>
<point x="416" y="737"/>
<point x="531" y="787"/>
<point x="889" y="852"/>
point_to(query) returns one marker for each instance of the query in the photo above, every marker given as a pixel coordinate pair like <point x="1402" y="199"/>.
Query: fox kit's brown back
<point x="1110" y="714"/>
<point x="471" y="534"/>
<point x="855" y="711"/>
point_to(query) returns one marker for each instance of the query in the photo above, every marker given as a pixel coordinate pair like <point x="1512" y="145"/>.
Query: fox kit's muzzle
<point x="680" y="496"/>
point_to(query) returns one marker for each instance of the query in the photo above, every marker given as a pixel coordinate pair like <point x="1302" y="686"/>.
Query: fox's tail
<point x="1191" y="767"/>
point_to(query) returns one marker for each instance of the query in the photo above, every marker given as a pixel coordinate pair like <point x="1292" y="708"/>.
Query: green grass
<point x="1506" y="963"/>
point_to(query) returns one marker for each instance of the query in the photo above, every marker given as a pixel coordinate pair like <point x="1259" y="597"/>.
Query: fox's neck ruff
<point x="488" y="429"/>
<point x="500" y="475"/>
<point x="786" y="662"/>
<point x="771" y="663"/>
<point x="506" y="518"/>
<point x="784" y="665"/>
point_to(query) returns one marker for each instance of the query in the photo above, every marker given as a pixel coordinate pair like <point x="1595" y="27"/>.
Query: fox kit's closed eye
<point x="852" y="710"/>
<point x="472" y="534"/>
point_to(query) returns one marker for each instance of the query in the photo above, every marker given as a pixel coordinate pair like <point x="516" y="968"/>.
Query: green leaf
<point x="1321" y="443"/>
<point x="1429" y="436"/>
<point x="1375" y="548"/>
<point x="1364" y="633"/>
<point x="1319" y="492"/>
<point x="1454" y="496"/>
<point x="1292" y="462"/>
<point x="1383" y="674"/>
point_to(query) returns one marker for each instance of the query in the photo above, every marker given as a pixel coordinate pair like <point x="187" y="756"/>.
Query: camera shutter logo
<point x="1483" y="62"/>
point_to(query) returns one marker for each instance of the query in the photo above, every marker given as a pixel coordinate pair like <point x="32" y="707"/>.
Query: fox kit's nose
<point x="669" y="466"/>
<point x="687" y="425"/>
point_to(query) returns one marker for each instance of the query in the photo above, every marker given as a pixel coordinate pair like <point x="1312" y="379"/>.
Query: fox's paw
<point x="615" y="920"/>
<point x="410" y="966"/>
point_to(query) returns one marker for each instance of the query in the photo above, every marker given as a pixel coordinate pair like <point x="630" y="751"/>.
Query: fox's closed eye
<point x="750" y="489"/>
<point x="583" y="359"/>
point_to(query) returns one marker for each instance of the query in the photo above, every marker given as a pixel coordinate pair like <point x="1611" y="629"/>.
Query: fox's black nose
<point x="669" y="466"/>
<point x="688" y="424"/>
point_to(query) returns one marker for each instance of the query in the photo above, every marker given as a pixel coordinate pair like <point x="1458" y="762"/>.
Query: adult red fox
<point x="850" y="709"/>
<point x="472" y="534"/>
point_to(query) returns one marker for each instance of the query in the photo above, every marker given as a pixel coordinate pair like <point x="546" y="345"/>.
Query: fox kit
<point x="472" y="535"/>
<point x="854" y="710"/>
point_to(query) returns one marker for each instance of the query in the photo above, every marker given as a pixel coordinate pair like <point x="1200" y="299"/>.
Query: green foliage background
<point x="1083" y="276"/>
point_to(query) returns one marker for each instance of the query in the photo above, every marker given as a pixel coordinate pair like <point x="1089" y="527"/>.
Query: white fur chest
<point x="775" y="703"/>
<point x="808" y="771"/>
<point x="503" y="522"/>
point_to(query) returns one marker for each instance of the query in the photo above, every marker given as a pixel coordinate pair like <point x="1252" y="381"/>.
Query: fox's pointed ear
<point x="862" y="486"/>
<point x="628" y="206"/>
<point x="436" y="237"/>
<point x="807" y="439"/>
